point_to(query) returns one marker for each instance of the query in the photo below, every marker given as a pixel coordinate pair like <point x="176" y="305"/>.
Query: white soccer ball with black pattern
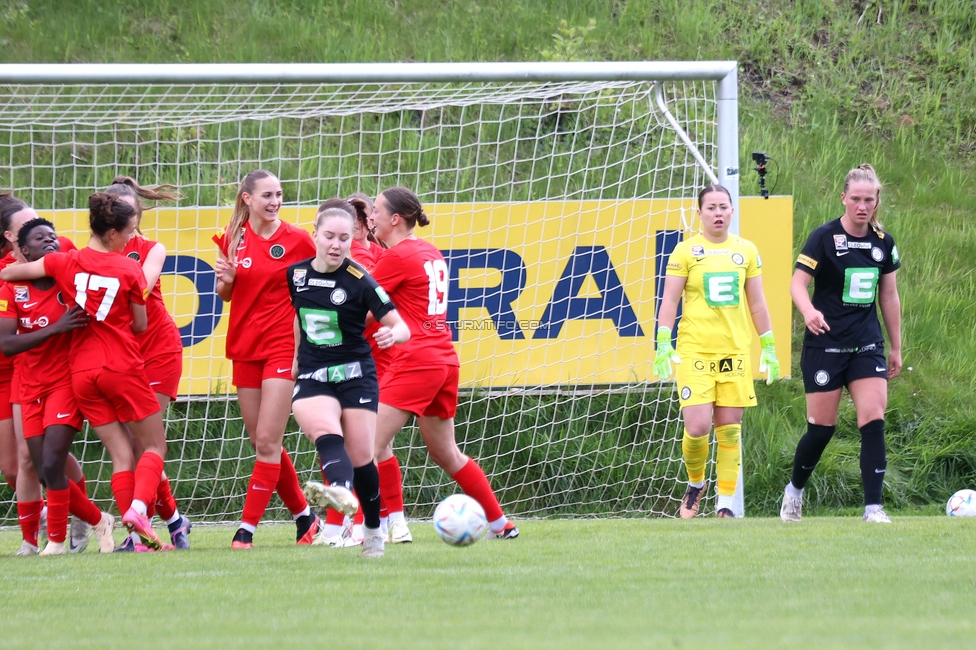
<point x="460" y="520"/>
<point x="962" y="504"/>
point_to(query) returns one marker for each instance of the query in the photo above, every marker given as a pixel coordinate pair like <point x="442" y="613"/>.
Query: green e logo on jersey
<point x="321" y="326"/>
<point x="721" y="289"/>
<point x="860" y="285"/>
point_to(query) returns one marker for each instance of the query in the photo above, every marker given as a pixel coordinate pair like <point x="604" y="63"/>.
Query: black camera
<point x="760" y="158"/>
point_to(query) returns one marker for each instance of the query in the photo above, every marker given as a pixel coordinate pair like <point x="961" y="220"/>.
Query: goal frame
<point x="723" y="73"/>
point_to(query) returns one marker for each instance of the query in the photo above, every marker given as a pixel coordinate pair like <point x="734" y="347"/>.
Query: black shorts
<point x="826" y="370"/>
<point x="357" y="393"/>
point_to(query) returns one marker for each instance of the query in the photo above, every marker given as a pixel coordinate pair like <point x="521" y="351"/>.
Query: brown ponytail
<point x="364" y="207"/>
<point x="127" y="186"/>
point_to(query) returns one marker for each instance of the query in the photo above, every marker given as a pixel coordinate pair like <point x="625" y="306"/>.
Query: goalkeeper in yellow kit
<point x="720" y="277"/>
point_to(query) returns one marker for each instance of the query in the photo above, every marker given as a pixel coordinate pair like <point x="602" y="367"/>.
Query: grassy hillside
<point x="825" y="85"/>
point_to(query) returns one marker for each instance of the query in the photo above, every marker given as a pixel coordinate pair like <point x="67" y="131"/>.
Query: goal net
<point x="555" y="192"/>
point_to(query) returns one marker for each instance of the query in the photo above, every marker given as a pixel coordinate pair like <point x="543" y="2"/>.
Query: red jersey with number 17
<point x="162" y="336"/>
<point x="261" y="316"/>
<point x="415" y="276"/>
<point x="103" y="284"/>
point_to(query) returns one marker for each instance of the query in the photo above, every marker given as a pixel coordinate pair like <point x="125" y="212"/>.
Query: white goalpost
<point x="555" y="190"/>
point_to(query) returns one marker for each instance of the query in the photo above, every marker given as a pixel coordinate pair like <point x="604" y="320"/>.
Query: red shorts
<point x="164" y="372"/>
<point x="15" y="386"/>
<point x="105" y="396"/>
<point x="250" y="374"/>
<point x="6" y="410"/>
<point x="430" y="392"/>
<point x="56" y="407"/>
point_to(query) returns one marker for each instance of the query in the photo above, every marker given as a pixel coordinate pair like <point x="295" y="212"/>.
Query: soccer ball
<point x="962" y="504"/>
<point x="460" y="520"/>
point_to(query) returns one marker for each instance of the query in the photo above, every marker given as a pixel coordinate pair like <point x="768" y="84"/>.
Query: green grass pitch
<point x="753" y="583"/>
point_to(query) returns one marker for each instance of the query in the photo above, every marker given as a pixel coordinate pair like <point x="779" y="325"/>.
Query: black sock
<point x="334" y="460"/>
<point x="302" y="524"/>
<point x="873" y="461"/>
<point x="367" y="481"/>
<point x="808" y="453"/>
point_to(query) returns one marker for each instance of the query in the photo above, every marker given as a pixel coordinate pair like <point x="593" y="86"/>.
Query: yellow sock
<point x="727" y="458"/>
<point x="695" y="452"/>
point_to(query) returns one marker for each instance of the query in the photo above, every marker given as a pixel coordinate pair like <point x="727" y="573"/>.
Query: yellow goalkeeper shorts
<point x="717" y="379"/>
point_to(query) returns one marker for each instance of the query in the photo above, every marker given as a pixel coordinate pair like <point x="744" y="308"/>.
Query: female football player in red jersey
<point x="256" y="249"/>
<point x="365" y="248"/>
<point x="106" y="366"/>
<point x="336" y="395"/>
<point x="422" y="378"/>
<point x="160" y="344"/>
<point x="14" y="454"/>
<point x="50" y="415"/>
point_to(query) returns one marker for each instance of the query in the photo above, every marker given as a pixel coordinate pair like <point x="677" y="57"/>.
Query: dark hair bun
<point x="101" y="203"/>
<point x="106" y="212"/>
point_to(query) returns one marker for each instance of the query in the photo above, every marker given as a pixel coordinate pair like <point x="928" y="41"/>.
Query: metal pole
<point x="279" y="73"/>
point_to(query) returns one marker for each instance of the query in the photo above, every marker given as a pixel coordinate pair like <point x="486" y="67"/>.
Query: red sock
<point x="58" y="502"/>
<point x="288" y="487"/>
<point x="12" y="482"/>
<point x="259" y="491"/>
<point x="334" y="517"/>
<point x="165" y="503"/>
<point x="391" y="486"/>
<point x="123" y="485"/>
<point x="475" y="484"/>
<point x="148" y="471"/>
<point x="82" y="507"/>
<point x="29" y="518"/>
<point x="81" y="483"/>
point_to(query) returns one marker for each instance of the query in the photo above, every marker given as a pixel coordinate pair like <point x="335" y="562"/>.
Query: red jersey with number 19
<point x="162" y="336"/>
<point x="103" y="284"/>
<point x="415" y="276"/>
<point x="261" y="316"/>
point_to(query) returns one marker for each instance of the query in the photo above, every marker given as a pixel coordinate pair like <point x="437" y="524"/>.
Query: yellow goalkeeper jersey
<point x="715" y="316"/>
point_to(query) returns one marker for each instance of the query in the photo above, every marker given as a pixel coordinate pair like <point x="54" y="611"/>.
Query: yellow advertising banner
<point x="541" y="293"/>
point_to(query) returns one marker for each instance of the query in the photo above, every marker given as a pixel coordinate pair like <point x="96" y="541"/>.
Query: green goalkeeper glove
<point x="767" y="358"/>
<point x="665" y="354"/>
